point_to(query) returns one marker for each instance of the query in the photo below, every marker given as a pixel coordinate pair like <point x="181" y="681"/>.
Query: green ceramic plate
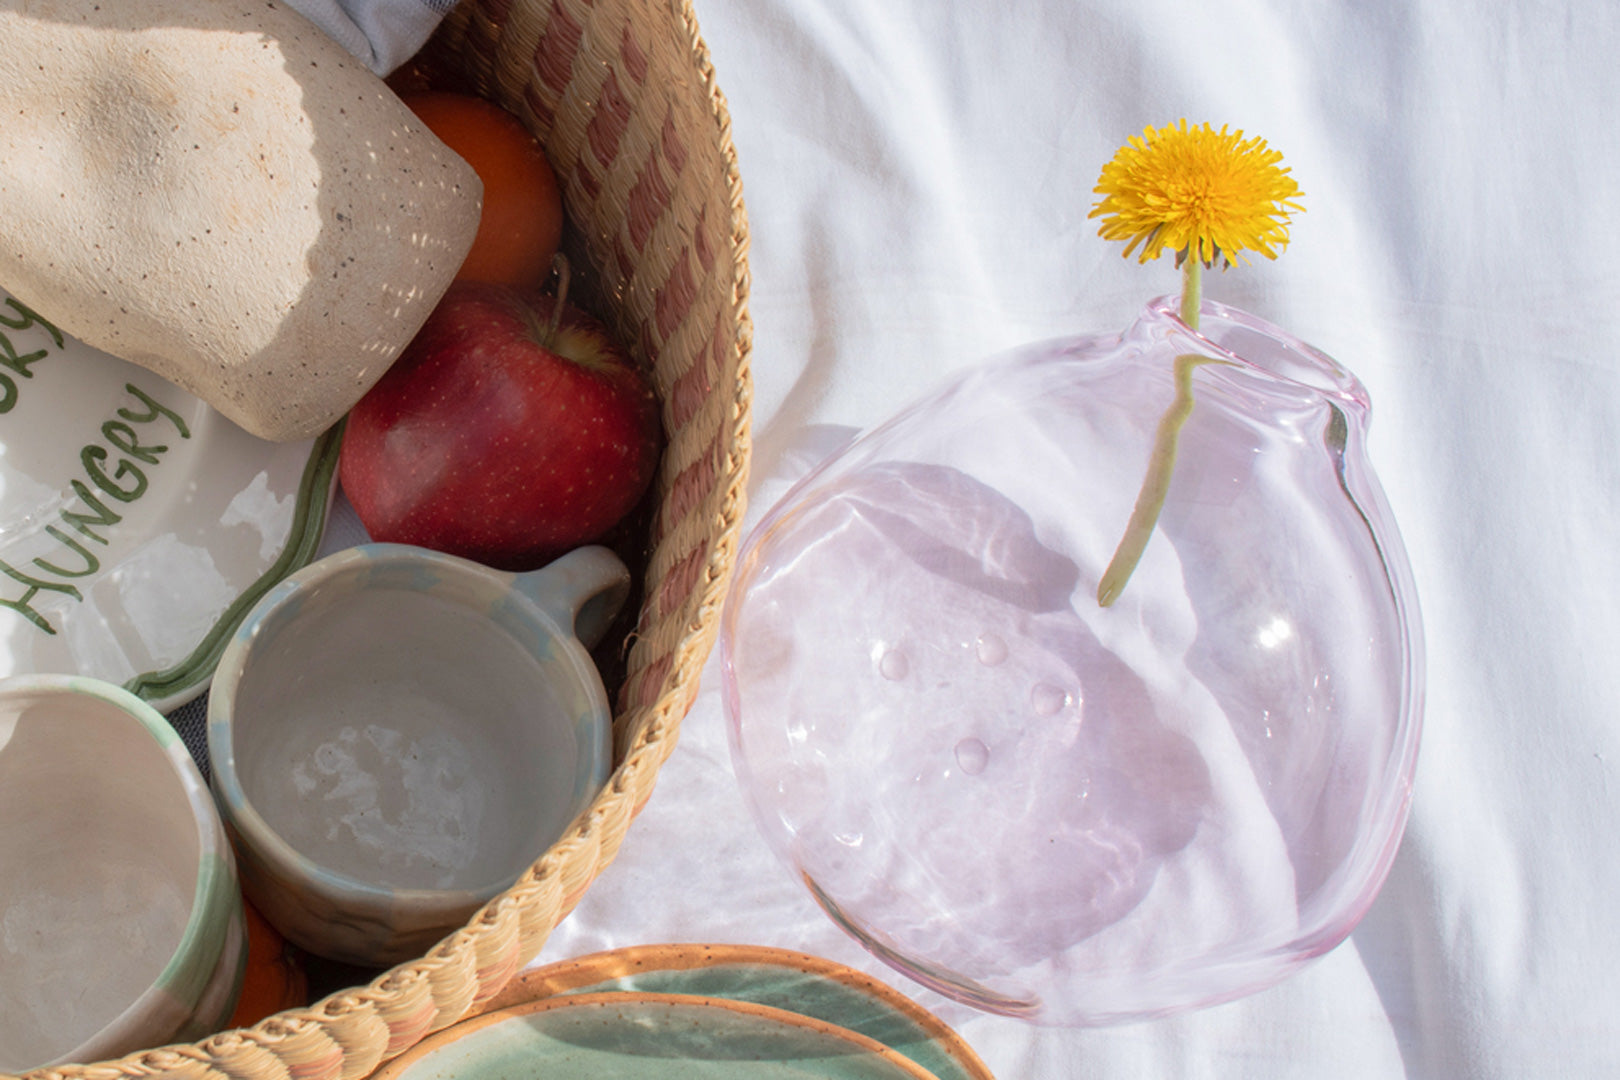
<point x="631" y="1036"/>
<point x="777" y="978"/>
<point x="137" y="525"/>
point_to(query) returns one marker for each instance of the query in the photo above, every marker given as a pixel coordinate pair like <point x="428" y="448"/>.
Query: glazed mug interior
<point x="398" y="734"/>
<point x="119" y="915"/>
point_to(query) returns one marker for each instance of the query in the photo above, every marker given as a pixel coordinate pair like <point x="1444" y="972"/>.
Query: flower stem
<point x="1156" y="484"/>
<point x="1192" y="288"/>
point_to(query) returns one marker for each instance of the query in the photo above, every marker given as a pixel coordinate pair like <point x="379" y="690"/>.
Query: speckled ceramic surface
<point x="634" y="1036"/>
<point x="136" y="523"/>
<point x="120" y="920"/>
<point x="779" y="978"/>
<point x="397" y="734"/>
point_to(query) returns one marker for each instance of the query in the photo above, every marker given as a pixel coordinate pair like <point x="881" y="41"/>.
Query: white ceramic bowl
<point x="121" y="925"/>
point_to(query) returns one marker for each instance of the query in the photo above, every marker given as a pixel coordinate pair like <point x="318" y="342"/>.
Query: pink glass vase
<point x="1061" y="811"/>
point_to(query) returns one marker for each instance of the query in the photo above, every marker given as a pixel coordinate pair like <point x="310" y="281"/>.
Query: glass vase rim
<point x="1330" y="376"/>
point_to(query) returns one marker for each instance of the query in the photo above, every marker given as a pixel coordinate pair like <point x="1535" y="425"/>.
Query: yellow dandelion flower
<point x="1205" y="195"/>
<point x="1195" y="190"/>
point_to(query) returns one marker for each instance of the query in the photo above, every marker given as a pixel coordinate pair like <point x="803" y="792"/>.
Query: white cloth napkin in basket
<point x="383" y="33"/>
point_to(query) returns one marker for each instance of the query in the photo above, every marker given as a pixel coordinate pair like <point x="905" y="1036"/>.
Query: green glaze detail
<point x="805" y="993"/>
<point x="658" y="1038"/>
<point x="140" y="711"/>
<point x="15" y="365"/>
<point x="152" y="720"/>
<point x="309" y="523"/>
<point x="26" y="317"/>
<point x="119" y="479"/>
<point x="214" y="905"/>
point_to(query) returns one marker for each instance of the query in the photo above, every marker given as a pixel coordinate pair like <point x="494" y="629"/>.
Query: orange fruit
<point x="275" y="979"/>
<point x="522" y="220"/>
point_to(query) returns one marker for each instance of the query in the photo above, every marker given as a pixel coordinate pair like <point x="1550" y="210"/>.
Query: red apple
<point x="499" y="439"/>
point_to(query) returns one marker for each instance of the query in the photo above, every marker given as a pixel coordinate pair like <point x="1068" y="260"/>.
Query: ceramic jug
<point x="1070" y="809"/>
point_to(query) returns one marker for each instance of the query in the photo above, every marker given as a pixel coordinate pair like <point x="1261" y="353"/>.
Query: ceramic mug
<point x="397" y="734"/>
<point x="121" y="924"/>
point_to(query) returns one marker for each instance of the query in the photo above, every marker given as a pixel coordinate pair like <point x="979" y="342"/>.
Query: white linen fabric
<point x="383" y="33"/>
<point x="918" y="177"/>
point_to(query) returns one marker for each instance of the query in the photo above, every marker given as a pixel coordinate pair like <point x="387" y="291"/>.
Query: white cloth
<point x="383" y="33"/>
<point x="918" y="175"/>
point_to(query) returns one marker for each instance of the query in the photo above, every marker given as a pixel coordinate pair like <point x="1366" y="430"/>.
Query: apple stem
<point x="559" y="265"/>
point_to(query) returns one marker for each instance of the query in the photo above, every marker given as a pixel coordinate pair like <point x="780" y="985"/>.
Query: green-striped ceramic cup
<point x="397" y="734"/>
<point x="121" y="922"/>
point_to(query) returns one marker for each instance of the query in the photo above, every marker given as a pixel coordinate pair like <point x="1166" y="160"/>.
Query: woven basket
<point x="623" y="96"/>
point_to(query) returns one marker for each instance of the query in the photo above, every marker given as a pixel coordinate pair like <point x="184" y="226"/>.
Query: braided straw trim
<point x="623" y="96"/>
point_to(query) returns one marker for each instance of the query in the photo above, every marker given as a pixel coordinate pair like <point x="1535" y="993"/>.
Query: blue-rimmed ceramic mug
<point x="121" y="924"/>
<point x="398" y="734"/>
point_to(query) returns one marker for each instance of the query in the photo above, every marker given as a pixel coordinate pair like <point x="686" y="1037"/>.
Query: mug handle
<point x="583" y="589"/>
